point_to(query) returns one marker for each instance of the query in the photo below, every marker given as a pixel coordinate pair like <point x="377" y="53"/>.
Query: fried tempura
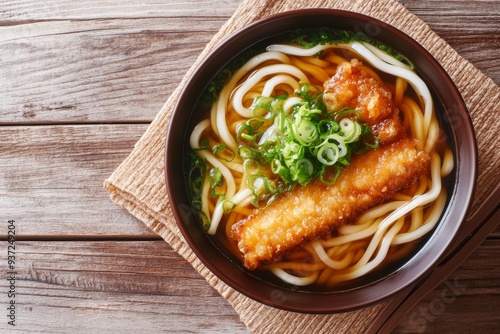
<point x="352" y="87"/>
<point x="306" y="213"/>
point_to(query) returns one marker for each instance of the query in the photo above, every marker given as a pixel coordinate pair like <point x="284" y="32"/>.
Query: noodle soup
<point x="289" y="119"/>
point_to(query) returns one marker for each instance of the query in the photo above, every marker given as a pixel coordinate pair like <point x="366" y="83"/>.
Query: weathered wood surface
<point x="113" y="287"/>
<point x="94" y="71"/>
<point x="107" y="62"/>
<point x="144" y="285"/>
<point x="52" y="176"/>
<point x="79" y="83"/>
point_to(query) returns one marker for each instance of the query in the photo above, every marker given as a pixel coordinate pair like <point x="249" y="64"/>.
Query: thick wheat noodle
<point x="256" y="78"/>
<point x="416" y="220"/>
<point x="279" y="79"/>
<point x="316" y="61"/>
<point x="317" y="72"/>
<point x="231" y="185"/>
<point x="412" y="111"/>
<point x="366" y="219"/>
<point x="424" y="228"/>
<point x="295" y="280"/>
<point x="290" y="102"/>
<point x="367" y="230"/>
<point x="448" y="163"/>
<point x="400" y="212"/>
<point x="320" y="251"/>
<point x="302" y="266"/>
<point x="218" y="111"/>
<point x="335" y="59"/>
<point x="384" y="56"/>
<point x="363" y="268"/>
<point x="399" y="91"/>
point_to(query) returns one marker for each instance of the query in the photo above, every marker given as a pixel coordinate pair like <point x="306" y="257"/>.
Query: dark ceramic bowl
<point x="454" y="119"/>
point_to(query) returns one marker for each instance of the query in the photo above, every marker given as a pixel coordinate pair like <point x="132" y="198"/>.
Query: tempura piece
<point x="352" y="87"/>
<point x="306" y="213"/>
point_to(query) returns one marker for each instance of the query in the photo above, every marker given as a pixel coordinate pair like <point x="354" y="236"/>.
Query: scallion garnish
<point x="300" y="146"/>
<point x="215" y="181"/>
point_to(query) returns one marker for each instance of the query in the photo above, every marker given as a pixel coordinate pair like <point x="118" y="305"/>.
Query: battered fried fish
<point x="306" y="213"/>
<point x="352" y="87"/>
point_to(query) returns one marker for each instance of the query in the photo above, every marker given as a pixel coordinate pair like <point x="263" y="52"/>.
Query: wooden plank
<point x="35" y="10"/>
<point x="471" y="292"/>
<point x="95" y="71"/>
<point x="51" y="180"/>
<point x="496" y="232"/>
<point x="470" y="27"/>
<point x="470" y="11"/>
<point x="114" y="286"/>
<point x="124" y="66"/>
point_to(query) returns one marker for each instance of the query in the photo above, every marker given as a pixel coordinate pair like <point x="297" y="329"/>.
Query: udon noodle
<point x="384" y="231"/>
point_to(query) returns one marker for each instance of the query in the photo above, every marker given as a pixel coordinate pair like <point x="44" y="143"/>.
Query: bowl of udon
<point x="320" y="161"/>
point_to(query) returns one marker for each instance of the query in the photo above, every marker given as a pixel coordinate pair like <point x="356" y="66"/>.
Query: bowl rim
<point x="422" y="263"/>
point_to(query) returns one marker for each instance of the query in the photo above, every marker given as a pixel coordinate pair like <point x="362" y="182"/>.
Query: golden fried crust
<point x="352" y="87"/>
<point x="306" y="213"/>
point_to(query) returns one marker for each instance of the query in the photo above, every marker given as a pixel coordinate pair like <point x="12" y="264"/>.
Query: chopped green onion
<point x="227" y="206"/>
<point x="305" y="132"/>
<point x="247" y="152"/>
<point x="346" y="113"/>
<point x="215" y="181"/>
<point x="371" y="141"/>
<point x="223" y="152"/>
<point x="302" y="171"/>
<point x="330" y="179"/>
<point x="327" y="127"/>
<point x="205" y="221"/>
<point x="196" y="177"/>
<point x="251" y="166"/>
<point x="350" y="130"/>
<point x="311" y="142"/>
<point x="328" y="154"/>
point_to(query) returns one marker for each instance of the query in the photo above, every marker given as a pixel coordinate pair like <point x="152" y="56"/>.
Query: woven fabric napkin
<point x="138" y="183"/>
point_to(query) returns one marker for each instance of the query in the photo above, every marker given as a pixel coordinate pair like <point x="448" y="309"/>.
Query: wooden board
<point x="118" y="287"/>
<point x="115" y="62"/>
<point x="96" y="70"/>
<point x="52" y="177"/>
<point x="113" y="286"/>
<point x="40" y="10"/>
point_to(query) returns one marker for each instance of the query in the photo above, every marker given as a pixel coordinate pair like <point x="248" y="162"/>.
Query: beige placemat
<point x="138" y="183"/>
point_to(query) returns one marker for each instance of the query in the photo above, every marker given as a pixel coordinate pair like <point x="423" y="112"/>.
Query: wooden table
<point x="79" y="84"/>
